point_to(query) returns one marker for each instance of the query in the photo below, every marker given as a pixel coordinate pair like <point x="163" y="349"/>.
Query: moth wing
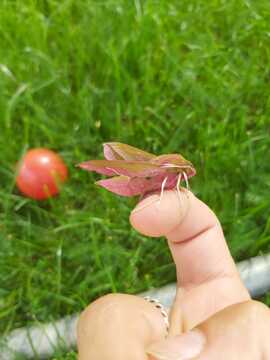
<point x="119" y="151"/>
<point x="99" y="166"/>
<point x="123" y="167"/>
<point x="124" y="185"/>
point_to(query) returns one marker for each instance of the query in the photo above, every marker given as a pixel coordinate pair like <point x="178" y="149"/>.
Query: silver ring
<point x="159" y="306"/>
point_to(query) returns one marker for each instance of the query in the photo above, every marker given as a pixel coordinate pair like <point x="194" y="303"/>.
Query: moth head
<point x="176" y="163"/>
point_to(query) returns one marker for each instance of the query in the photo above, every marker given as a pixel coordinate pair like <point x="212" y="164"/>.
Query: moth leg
<point x="179" y="181"/>
<point x="186" y="180"/>
<point x="178" y="186"/>
<point x="141" y="196"/>
<point x="162" y="189"/>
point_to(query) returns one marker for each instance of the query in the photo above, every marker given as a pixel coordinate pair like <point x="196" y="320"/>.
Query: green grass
<point x="166" y="76"/>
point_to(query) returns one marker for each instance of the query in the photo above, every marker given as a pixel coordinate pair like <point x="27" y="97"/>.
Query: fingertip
<point x="155" y="216"/>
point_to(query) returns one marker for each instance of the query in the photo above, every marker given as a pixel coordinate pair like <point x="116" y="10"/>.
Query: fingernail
<point x="181" y="347"/>
<point x="146" y="202"/>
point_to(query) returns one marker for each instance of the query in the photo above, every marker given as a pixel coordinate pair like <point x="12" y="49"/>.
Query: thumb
<point x="237" y="332"/>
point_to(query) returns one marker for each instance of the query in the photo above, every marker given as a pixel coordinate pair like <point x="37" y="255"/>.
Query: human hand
<point x="240" y="331"/>
<point x="123" y="326"/>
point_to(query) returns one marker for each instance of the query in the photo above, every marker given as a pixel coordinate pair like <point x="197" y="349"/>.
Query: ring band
<point x="159" y="306"/>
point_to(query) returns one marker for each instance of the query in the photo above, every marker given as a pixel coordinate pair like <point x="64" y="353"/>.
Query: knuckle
<point x="255" y="311"/>
<point x="259" y="316"/>
<point x="96" y="308"/>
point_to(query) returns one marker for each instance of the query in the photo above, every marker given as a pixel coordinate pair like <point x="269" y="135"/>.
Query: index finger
<point x="206" y="273"/>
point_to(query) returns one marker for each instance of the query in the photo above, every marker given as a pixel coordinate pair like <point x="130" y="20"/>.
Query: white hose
<point x="41" y="341"/>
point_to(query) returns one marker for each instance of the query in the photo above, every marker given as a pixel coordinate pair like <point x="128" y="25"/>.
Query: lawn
<point x="167" y="76"/>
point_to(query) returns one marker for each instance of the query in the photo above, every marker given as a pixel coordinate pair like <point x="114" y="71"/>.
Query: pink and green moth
<point x="136" y="172"/>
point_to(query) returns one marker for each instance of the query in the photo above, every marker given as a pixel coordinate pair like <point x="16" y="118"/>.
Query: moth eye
<point x="148" y="177"/>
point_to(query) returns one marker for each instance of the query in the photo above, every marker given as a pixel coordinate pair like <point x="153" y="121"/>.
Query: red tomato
<point x="40" y="173"/>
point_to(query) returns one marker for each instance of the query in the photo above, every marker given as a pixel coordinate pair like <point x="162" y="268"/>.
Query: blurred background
<point x="166" y="76"/>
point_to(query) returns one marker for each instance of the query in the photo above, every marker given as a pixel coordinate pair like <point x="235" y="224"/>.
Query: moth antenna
<point x="186" y="180"/>
<point x="177" y="166"/>
<point x="162" y="189"/>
